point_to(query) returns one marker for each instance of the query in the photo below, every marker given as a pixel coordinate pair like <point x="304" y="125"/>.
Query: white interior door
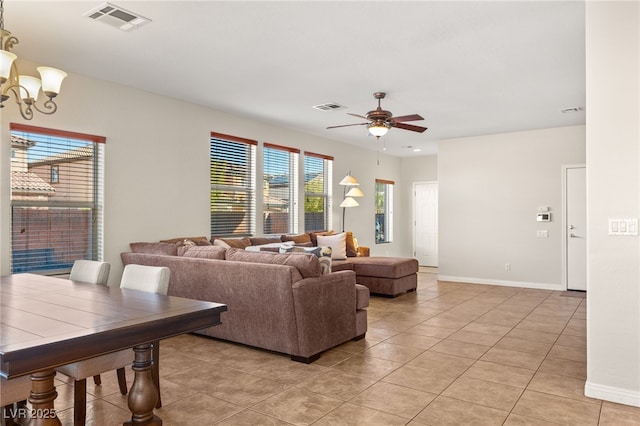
<point x="426" y="223"/>
<point x="576" y="232"/>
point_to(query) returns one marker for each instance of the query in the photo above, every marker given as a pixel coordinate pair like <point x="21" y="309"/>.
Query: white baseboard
<point x="524" y="284"/>
<point x="613" y="394"/>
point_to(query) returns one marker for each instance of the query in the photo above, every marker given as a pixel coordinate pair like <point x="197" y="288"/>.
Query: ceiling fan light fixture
<point x="378" y="129"/>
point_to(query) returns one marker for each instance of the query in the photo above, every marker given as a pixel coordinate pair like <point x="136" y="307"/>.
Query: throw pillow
<point x="169" y="249"/>
<point x="185" y="246"/>
<point x="201" y="241"/>
<point x="352" y="248"/>
<point x="314" y="236"/>
<point x="308" y="266"/>
<point x="338" y="244"/>
<point x="298" y="239"/>
<point x="206" y="252"/>
<point x="232" y="242"/>
<point x="322" y="253"/>
<point x="259" y="241"/>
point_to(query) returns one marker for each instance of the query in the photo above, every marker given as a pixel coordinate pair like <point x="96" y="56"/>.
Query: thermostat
<point x="543" y="217"/>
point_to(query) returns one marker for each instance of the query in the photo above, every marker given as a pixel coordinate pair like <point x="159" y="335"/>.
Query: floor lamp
<point x="354" y="191"/>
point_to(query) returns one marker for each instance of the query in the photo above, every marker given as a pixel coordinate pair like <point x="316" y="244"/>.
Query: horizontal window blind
<point x="318" y="175"/>
<point x="280" y="174"/>
<point x="56" y="198"/>
<point x="232" y="177"/>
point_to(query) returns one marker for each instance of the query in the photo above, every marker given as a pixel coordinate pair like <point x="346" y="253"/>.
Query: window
<point x="384" y="211"/>
<point x="280" y="189"/>
<point x="232" y="177"/>
<point x="55" y="174"/>
<point x="318" y="174"/>
<point x="53" y="227"/>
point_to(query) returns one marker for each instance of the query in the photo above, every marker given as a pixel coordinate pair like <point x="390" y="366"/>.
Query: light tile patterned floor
<point x="448" y="354"/>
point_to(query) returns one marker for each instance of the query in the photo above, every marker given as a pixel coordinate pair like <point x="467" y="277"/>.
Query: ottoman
<point x="388" y="276"/>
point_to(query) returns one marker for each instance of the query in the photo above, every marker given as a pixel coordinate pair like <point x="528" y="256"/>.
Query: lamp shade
<point x="355" y="192"/>
<point x="51" y="80"/>
<point x="29" y="87"/>
<point x="349" y="180"/>
<point x="378" y="129"/>
<point x="349" y="202"/>
<point x="6" y="60"/>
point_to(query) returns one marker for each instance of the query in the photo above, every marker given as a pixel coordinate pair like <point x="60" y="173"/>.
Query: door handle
<point x="573" y="236"/>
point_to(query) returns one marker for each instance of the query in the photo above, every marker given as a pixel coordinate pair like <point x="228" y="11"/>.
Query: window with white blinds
<point x="56" y="198"/>
<point x="384" y="211"/>
<point x="232" y="177"/>
<point x="318" y="175"/>
<point x="280" y="189"/>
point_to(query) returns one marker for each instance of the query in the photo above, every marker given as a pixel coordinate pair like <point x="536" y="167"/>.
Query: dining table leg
<point x="143" y="394"/>
<point x="43" y="392"/>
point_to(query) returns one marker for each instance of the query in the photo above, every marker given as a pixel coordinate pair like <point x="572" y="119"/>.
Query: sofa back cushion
<point x="307" y="265"/>
<point x="170" y="249"/>
<point x="206" y="252"/>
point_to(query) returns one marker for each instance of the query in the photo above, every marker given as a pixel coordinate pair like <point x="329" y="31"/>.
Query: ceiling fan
<point x="380" y="121"/>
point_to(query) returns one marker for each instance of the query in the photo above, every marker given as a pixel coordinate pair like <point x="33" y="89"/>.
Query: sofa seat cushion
<point x="307" y="265"/>
<point x="341" y="265"/>
<point x="384" y="267"/>
<point x="362" y="296"/>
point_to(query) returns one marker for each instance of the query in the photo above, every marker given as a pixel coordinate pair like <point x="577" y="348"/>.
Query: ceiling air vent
<point x="570" y="110"/>
<point x="117" y="17"/>
<point x="331" y="106"/>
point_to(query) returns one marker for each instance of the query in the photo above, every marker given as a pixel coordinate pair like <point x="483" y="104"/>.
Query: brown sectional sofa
<point x="384" y="276"/>
<point x="273" y="304"/>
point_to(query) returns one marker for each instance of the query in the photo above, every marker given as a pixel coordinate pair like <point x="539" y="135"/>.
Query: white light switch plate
<point x="623" y="226"/>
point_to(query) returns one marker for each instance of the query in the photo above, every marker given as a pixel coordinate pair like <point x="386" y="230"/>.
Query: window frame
<point x="248" y="188"/>
<point x="327" y="191"/>
<point x="383" y="230"/>
<point x="291" y="192"/>
<point x="50" y="241"/>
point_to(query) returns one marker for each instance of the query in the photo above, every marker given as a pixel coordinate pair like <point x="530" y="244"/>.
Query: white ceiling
<point x="469" y="68"/>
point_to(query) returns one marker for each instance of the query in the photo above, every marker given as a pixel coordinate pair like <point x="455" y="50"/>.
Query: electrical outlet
<point x="507" y="266"/>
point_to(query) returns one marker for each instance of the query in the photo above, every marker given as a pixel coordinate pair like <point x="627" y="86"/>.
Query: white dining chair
<point x="90" y="271"/>
<point x="151" y="279"/>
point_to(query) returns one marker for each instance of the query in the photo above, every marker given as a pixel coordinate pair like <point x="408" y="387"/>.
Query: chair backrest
<point x="152" y="279"/>
<point x="90" y="271"/>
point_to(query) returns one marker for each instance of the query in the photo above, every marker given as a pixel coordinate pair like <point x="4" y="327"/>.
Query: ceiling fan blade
<point x="347" y="125"/>
<point x="357" y="115"/>
<point x="412" y="117"/>
<point x="410" y="127"/>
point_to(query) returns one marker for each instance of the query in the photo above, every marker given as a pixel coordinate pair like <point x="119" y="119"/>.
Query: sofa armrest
<point x="325" y="309"/>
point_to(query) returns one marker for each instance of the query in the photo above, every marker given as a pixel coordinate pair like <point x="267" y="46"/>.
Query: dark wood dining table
<point x="47" y="322"/>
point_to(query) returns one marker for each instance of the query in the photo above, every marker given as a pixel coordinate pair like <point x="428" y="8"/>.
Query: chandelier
<point x="24" y="88"/>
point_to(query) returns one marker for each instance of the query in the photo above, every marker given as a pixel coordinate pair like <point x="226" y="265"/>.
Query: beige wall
<point x="613" y="188"/>
<point x="490" y="189"/>
<point x="157" y="165"/>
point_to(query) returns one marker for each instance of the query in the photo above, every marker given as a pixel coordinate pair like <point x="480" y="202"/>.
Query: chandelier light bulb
<point x="29" y="88"/>
<point x="51" y="80"/>
<point x="6" y="60"/>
